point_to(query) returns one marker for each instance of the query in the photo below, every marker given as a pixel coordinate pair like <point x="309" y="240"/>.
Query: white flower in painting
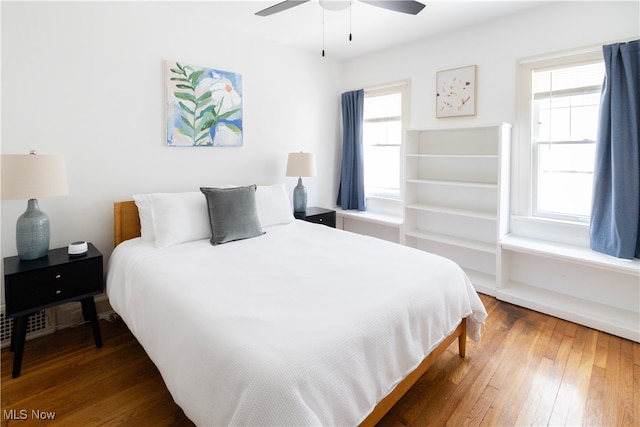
<point x="220" y="110"/>
<point x="227" y="137"/>
<point x="221" y="91"/>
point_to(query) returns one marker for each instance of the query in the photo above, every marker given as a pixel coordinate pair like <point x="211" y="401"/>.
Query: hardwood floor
<point x="529" y="369"/>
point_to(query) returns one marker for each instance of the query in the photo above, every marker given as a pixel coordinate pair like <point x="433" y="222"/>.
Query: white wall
<point x="495" y="47"/>
<point x="86" y="80"/>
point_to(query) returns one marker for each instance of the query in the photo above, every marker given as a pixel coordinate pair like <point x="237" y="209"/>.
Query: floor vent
<point x="37" y="325"/>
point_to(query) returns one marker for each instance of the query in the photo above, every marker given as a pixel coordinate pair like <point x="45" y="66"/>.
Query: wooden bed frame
<point x="127" y="226"/>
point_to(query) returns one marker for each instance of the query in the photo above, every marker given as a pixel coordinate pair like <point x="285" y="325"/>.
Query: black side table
<point x="57" y="278"/>
<point x="318" y="215"/>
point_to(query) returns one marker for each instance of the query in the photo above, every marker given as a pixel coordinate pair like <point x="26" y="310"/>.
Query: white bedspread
<point x="305" y="325"/>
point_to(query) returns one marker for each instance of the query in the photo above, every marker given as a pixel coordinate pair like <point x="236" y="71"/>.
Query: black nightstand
<point x="30" y="286"/>
<point x="318" y="215"/>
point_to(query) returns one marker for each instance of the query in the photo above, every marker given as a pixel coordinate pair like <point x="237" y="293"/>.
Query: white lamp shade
<point x="301" y="164"/>
<point x="33" y="176"/>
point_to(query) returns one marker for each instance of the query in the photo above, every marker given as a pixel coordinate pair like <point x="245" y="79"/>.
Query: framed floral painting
<point x="456" y="92"/>
<point x="204" y="106"/>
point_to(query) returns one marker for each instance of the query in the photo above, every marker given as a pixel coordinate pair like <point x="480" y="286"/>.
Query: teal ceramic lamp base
<point x="299" y="198"/>
<point x="32" y="232"/>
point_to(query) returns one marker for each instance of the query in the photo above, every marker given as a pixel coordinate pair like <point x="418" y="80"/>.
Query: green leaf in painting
<point x="208" y="120"/>
<point x="233" y="127"/>
<point x="186" y="122"/>
<point x="208" y="124"/>
<point x="184" y="87"/>
<point x="228" y="114"/>
<point x="186" y="132"/>
<point x="203" y="136"/>
<point x="210" y="109"/>
<point x="219" y="107"/>
<point x="195" y="76"/>
<point x="185" y="108"/>
<point x="205" y="96"/>
<point x="185" y="96"/>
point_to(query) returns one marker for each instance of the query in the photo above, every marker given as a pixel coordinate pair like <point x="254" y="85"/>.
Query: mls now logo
<point x="23" y="414"/>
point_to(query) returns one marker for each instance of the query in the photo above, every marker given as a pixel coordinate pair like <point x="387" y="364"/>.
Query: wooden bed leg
<point x="462" y="339"/>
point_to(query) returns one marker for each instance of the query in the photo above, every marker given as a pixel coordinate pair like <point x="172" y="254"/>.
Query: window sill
<point x="385" y="198"/>
<point x="568" y="252"/>
<point x="551" y="230"/>
<point x="372" y="217"/>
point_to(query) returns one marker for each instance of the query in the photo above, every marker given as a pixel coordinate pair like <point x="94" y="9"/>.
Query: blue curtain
<point x="351" y="190"/>
<point x="615" y="214"/>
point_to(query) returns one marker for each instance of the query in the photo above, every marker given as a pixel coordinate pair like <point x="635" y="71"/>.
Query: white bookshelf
<point x="457" y="196"/>
<point x="456" y="204"/>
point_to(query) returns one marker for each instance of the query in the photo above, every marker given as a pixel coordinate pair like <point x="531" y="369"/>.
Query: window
<point x="382" y="139"/>
<point x="564" y="107"/>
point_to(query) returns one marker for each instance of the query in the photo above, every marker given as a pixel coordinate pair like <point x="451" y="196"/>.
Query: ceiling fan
<point x="404" y="6"/>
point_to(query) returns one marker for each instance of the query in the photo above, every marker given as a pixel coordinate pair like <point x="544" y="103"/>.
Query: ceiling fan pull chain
<point x="350" y="2"/>
<point x="323" y="33"/>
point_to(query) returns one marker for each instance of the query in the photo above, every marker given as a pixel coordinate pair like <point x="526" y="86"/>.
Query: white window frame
<point x="375" y="199"/>
<point x="522" y="221"/>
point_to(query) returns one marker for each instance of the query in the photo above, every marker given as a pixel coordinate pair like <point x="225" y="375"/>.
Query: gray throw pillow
<point x="232" y="213"/>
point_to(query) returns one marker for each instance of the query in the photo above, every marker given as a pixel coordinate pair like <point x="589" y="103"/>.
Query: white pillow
<point x="179" y="218"/>
<point x="145" y="211"/>
<point x="273" y="205"/>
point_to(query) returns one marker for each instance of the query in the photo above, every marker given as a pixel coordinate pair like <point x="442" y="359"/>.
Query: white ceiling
<point x="373" y="28"/>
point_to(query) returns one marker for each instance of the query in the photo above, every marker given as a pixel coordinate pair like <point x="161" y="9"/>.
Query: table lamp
<point x="31" y="176"/>
<point x="300" y="164"/>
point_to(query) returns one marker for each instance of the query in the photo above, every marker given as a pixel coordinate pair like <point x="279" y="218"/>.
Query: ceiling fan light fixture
<point x="334" y="5"/>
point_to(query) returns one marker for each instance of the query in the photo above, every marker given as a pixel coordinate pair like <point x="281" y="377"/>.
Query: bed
<point x="300" y="324"/>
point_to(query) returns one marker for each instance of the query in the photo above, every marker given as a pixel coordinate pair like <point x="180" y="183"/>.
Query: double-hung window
<point x="382" y="140"/>
<point x="564" y="100"/>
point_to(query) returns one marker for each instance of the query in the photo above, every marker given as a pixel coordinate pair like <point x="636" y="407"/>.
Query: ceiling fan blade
<point x="404" y="6"/>
<point x="279" y="7"/>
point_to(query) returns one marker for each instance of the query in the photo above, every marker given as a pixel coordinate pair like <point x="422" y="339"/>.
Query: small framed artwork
<point x="456" y="92"/>
<point x="204" y="106"/>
